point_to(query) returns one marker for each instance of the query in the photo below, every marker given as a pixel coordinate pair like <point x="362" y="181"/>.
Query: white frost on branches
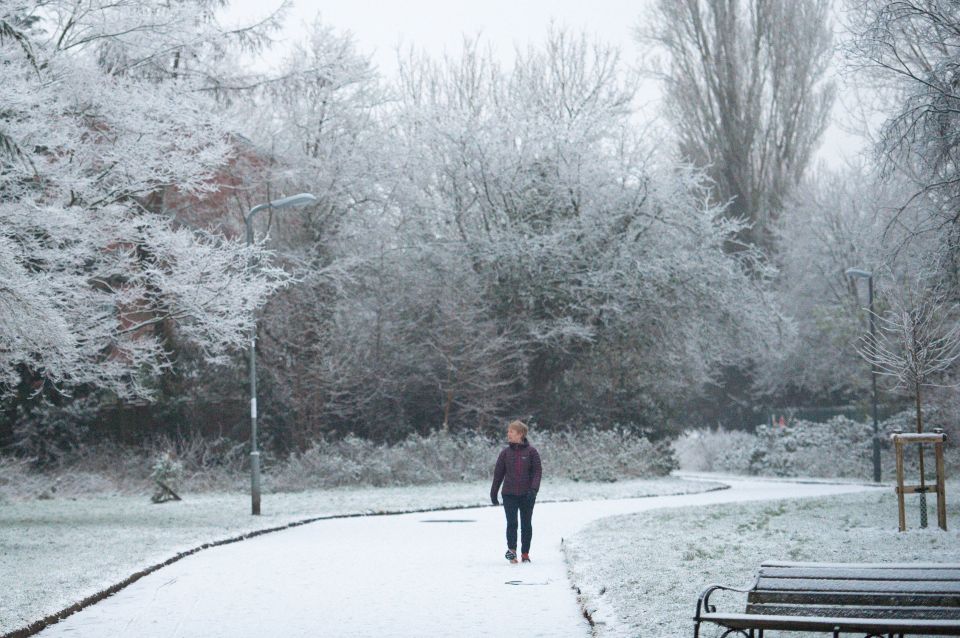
<point x="919" y="338"/>
<point x="99" y="113"/>
<point x="918" y="341"/>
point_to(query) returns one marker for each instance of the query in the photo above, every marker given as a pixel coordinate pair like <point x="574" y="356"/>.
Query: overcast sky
<point x="438" y="26"/>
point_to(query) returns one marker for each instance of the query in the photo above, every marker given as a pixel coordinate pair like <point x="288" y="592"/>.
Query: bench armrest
<point x="703" y="602"/>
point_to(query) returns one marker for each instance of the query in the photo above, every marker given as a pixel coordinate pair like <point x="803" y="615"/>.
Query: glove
<point x="532" y="496"/>
<point x="493" y="499"/>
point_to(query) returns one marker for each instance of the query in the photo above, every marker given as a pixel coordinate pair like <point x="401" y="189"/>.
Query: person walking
<point x="518" y="468"/>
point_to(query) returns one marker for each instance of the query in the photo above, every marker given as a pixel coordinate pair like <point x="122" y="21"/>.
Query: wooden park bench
<point x="872" y="600"/>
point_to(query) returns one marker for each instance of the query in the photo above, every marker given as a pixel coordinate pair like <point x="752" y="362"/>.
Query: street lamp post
<point x="294" y="201"/>
<point x="857" y="273"/>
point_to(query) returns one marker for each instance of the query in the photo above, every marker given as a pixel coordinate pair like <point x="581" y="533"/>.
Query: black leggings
<point x="523" y="504"/>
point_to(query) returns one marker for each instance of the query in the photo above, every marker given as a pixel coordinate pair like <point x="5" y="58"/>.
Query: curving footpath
<point x="427" y="574"/>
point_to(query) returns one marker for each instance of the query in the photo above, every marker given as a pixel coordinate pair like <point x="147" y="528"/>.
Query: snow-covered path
<point x="433" y="574"/>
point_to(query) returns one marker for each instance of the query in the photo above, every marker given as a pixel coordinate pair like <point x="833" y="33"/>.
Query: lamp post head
<point x="857" y="272"/>
<point x="294" y="201"/>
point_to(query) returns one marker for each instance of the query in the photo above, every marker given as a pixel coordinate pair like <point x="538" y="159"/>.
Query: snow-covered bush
<point x="415" y="460"/>
<point x="200" y="465"/>
<point x="85" y="470"/>
<point x="16" y="479"/>
<point x="604" y="455"/>
<point x="208" y="464"/>
<point x="717" y="450"/>
<point x="167" y="473"/>
<point x="50" y="433"/>
<point x="588" y="455"/>
<point x="838" y="448"/>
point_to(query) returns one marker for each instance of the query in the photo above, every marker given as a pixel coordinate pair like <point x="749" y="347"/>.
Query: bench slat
<point x="870" y="598"/>
<point x="831" y="584"/>
<point x="852" y="598"/>
<point x="868" y="625"/>
<point x="870" y="573"/>
<point x="930" y="566"/>
<point x="864" y="611"/>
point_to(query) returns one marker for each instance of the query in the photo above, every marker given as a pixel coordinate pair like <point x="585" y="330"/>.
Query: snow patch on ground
<point x="64" y="550"/>
<point x="641" y="574"/>
<point x="383" y="576"/>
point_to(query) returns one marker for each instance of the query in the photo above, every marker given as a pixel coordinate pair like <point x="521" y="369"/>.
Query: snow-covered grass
<point x="62" y="550"/>
<point x="640" y="574"/>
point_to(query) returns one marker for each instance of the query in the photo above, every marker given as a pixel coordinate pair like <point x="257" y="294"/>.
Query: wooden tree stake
<point x="937" y="439"/>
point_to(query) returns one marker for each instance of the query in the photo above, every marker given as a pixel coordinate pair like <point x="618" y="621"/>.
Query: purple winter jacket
<point x="518" y="468"/>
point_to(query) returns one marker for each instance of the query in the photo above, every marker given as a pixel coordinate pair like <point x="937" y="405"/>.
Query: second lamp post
<point x="856" y="272"/>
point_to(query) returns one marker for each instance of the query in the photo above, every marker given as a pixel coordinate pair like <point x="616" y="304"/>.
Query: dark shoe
<point x="511" y="556"/>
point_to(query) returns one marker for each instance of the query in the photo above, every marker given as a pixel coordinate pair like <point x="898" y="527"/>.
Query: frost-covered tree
<point x="157" y="40"/>
<point x="604" y="264"/>
<point x="917" y="343"/>
<point x="834" y="221"/>
<point x="413" y="346"/>
<point x="910" y="49"/>
<point x="748" y="95"/>
<point x="318" y="120"/>
<point x="838" y="219"/>
<point x="918" y="339"/>
<point x="94" y="284"/>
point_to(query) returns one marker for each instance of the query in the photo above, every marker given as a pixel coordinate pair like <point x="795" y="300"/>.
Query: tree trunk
<point x="923" y="482"/>
<point x="446" y="411"/>
<point x="919" y="413"/>
<point x="920" y="431"/>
